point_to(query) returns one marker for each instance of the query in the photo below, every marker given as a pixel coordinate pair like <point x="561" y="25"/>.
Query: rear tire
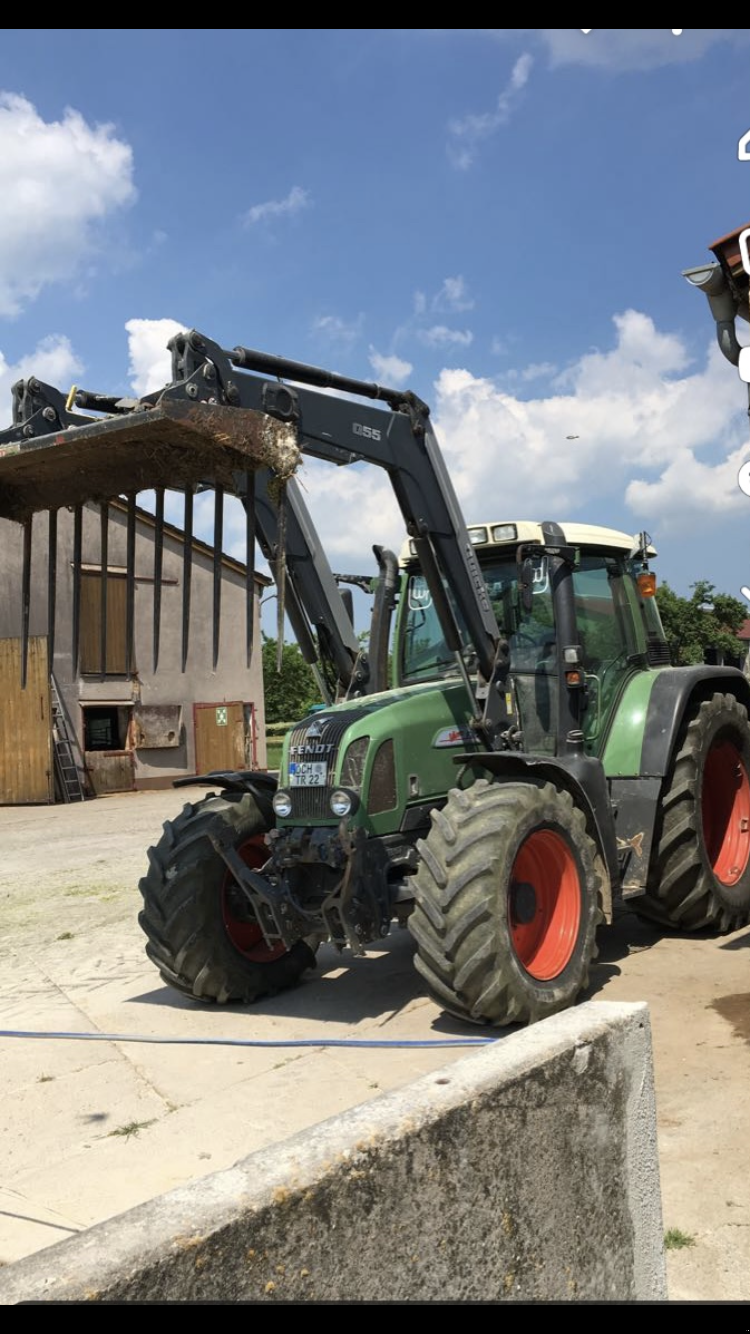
<point x="201" y="935"/>
<point x="508" y="895"/>
<point x="700" y="871"/>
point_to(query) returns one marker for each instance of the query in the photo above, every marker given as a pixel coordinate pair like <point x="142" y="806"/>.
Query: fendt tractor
<point x="530" y="757"/>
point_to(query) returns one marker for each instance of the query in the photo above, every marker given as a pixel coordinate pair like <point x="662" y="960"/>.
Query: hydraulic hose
<point x="356" y="1044"/>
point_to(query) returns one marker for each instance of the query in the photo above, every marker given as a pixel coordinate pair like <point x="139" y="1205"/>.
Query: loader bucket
<point x="176" y="444"/>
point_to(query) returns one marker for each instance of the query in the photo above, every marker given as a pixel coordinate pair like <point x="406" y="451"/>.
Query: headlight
<point x="343" y="803"/>
<point x="505" y="532"/>
<point x="282" y="804"/>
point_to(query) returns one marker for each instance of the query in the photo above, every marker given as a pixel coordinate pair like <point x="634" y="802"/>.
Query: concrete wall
<point x="527" y="1171"/>
<point x="231" y="682"/>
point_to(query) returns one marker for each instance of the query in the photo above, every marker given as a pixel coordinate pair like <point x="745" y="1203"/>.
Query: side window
<point x="603" y="613"/>
<point x="607" y="636"/>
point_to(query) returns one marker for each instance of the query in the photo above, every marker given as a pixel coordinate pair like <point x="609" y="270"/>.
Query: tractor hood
<point x="395" y="750"/>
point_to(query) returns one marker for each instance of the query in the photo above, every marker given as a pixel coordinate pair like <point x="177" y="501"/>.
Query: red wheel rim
<point x="726" y="813"/>
<point x="247" y="937"/>
<point x="545" y="905"/>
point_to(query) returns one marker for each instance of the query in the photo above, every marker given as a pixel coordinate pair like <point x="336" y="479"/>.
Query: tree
<point x="293" y="692"/>
<point x="706" y="621"/>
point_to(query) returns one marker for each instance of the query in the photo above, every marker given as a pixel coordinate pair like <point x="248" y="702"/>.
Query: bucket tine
<point x="77" y="559"/>
<point x="104" y="559"/>
<point x="52" y="589"/>
<point x="26" y="601"/>
<point x="158" y="571"/>
<point x="130" y="588"/>
<point x="187" y="574"/>
<point x="280" y="573"/>
<point x="249" y="564"/>
<point x="218" y="552"/>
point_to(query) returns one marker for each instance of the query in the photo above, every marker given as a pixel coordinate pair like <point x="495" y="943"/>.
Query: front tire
<point x="700" y="872"/>
<point x="508" y="896"/>
<point x="201" y="934"/>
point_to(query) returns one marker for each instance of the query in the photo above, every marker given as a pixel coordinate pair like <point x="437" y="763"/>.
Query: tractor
<point x="530" y="758"/>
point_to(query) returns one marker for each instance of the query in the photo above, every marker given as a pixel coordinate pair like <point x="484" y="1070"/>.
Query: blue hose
<point x="358" y="1044"/>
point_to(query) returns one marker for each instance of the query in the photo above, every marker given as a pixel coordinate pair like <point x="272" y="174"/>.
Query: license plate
<point x="311" y="774"/>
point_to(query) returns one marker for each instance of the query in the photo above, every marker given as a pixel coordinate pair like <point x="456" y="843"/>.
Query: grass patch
<point x="130" y="1131"/>
<point x="273" y="754"/>
<point x="46" y="1079"/>
<point x="66" y="935"/>
<point x="676" y="1240"/>
<point x="95" y="890"/>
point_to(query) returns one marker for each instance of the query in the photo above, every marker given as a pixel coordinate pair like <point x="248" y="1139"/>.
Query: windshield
<point x="604" y="619"/>
<point x="531" y="634"/>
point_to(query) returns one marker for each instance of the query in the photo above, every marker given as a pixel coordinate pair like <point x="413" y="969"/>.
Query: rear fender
<point x="674" y="691"/>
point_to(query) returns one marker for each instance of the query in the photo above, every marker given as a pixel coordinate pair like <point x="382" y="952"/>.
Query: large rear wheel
<point x="201" y="932"/>
<point x="507" y="903"/>
<point x="700" y="872"/>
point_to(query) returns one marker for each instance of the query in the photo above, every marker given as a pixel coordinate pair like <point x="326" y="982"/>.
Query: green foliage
<point x="293" y="693"/>
<point x="707" y="620"/>
<point x="677" y="1240"/>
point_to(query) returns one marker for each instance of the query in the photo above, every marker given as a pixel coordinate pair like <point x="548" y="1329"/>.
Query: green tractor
<point x="530" y="758"/>
<point x="620" y="774"/>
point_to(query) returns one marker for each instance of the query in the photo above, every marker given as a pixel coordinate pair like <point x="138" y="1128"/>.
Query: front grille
<point x="312" y="803"/>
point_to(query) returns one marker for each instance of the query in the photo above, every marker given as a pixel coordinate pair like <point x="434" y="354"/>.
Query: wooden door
<point x="26" y="767"/>
<point x="219" y="737"/>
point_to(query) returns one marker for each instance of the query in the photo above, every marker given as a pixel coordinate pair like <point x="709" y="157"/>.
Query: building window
<point x="91" y="625"/>
<point x="105" y="727"/>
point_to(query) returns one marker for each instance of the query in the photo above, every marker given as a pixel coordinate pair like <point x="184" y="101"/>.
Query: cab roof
<point x="499" y="535"/>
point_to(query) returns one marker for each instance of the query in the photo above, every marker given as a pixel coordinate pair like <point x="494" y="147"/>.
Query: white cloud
<point x="454" y="296"/>
<point x="59" y="181"/>
<point x="150" y="359"/>
<point x="53" y="361"/>
<point x="441" y="336"/>
<point x="295" y="202"/>
<point x="538" y="370"/>
<point x="339" y="332"/>
<point x="635" y="48"/>
<point x="391" y="370"/>
<point x="636" y="409"/>
<point x="618" y="49"/>
<point x="352" y="508"/>
<point x="467" y="134"/>
<point x="661" y="441"/>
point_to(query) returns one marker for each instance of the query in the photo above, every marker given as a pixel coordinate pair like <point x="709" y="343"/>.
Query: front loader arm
<point x="215" y="426"/>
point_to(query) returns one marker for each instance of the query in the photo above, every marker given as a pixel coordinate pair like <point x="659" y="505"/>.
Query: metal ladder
<point x="67" y="773"/>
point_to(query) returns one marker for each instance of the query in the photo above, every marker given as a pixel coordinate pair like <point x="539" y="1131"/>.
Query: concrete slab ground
<point x="88" y="1130"/>
<point x="336" y="1215"/>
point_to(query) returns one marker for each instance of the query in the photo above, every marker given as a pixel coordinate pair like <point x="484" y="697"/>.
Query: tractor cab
<point x="605" y="582"/>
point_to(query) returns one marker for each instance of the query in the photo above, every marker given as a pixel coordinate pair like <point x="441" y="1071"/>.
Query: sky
<point x="496" y="218"/>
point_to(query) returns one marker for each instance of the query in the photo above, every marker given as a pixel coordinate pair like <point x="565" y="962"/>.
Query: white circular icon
<point x="744" y="479"/>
